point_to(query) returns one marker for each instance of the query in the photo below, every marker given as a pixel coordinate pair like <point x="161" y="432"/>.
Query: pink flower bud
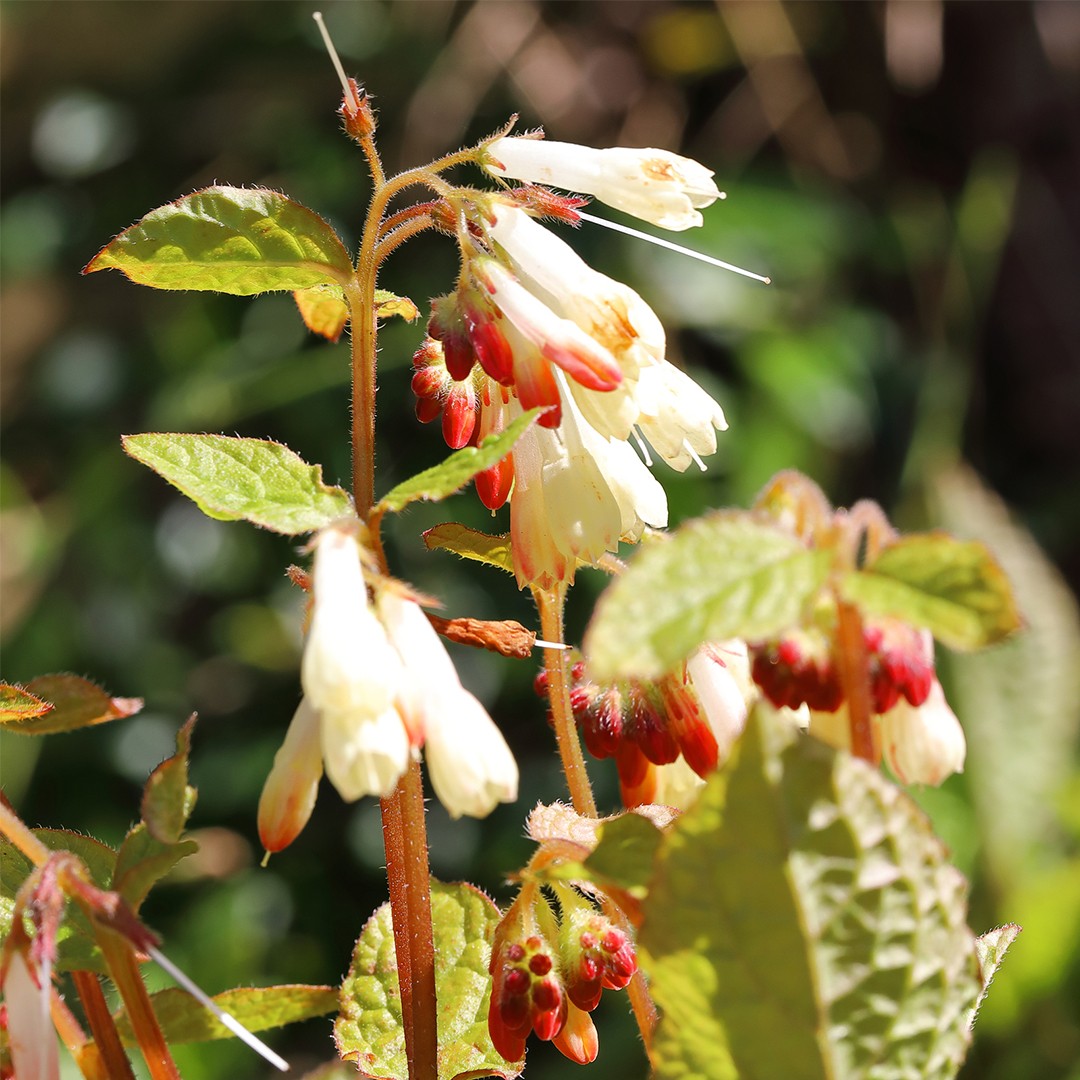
<point x="288" y="796"/>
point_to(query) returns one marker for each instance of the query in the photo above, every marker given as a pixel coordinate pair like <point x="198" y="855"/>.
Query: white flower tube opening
<point x="654" y="185"/>
<point x="470" y="766"/>
<point x="366" y="757"/>
<point x="923" y="744"/>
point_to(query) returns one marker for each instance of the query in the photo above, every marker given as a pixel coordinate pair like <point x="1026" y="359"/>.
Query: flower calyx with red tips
<point x="357" y="113"/>
<point x="548" y="974"/>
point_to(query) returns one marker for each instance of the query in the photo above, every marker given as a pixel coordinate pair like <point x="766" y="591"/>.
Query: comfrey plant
<point x="771" y="902"/>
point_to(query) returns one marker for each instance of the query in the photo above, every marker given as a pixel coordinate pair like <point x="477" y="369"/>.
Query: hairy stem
<point x="405" y="839"/>
<point x="573" y="761"/>
<point x="12" y="826"/>
<point x="120" y="956"/>
<point x="404" y="829"/>
<point x="113" y="1062"/>
<point x="853" y="665"/>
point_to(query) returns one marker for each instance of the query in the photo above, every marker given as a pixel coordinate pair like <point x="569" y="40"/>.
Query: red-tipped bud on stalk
<point x="357" y="113"/>
<point x="288" y="796"/>
<point x="578" y="1040"/>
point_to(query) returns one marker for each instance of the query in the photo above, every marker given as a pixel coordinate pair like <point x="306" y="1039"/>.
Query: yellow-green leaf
<point x="472" y="544"/>
<point x="235" y="479"/>
<point x="74" y="703"/>
<point x="953" y="588"/>
<point x="233" y="240"/>
<point x="721" y="576"/>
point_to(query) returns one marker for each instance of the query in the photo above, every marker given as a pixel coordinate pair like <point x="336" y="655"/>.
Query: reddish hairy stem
<point x="408" y="876"/>
<point x="854" y="667"/>
<point x="124" y="970"/>
<point x="112" y="1063"/>
<point x="404" y="831"/>
<point x="566" y="736"/>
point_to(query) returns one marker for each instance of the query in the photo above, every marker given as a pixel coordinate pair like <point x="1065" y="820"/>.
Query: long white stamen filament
<point x="673" y="247"/>
<point x="230" y="1022"/>
<point x="538" y="644"/>
<point x="335" y="59"/>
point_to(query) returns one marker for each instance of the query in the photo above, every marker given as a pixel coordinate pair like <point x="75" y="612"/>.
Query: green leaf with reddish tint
<point x="17" y="704"/>
<point x="459" y="468"/>
<point x="233" y="479"/>
<point x="143" y="861"/>
<point x="233" y="240"/>
<point x="168" y="799"/>
<point x="953" y="588"/>
<point x="388" y="304"/>
<point x="472" y="544"/>
<point x="323" y="309"/>
<point x="804" y="922"/>
<point x="75" y="703"/>
<point x="720" y="576"/>
<point x="369" y="1029"/>
<point x="185" y="1020"/>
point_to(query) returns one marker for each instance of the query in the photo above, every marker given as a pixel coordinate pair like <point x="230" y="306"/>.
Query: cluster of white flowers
<point x="545" y="329"/>
<point x="378" y="685"/>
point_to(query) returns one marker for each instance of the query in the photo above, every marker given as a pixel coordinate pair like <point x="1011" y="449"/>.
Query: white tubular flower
<point x="671" y="411"/>
<point x="288" y="796"/>
<point x="576" y="495"/>
<point x="923" y="744"/>
<point x="30" y="1034"/>
<point x="654" y="185"/>
<point x="558" y="340"/>
<point x="723" y="690"/>
<point x="677" y="417"/>
<point x="348" y="666"/>
<point x="365" y="758"/>
<point x="470" y="765"/>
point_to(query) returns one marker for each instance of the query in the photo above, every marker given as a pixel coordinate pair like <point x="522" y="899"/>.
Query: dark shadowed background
<point x="906" y="172"/>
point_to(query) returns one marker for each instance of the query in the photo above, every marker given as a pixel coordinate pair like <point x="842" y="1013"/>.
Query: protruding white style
<point x="654" y="185"/>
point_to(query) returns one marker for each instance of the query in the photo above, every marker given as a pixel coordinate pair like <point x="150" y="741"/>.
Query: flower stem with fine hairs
<point x="854" y="670"/>
<point x="573" y="761"/>
<point x="404" y="829"/>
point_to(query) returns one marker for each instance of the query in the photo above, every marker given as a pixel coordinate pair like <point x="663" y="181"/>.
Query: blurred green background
<point x="906" y="172"/>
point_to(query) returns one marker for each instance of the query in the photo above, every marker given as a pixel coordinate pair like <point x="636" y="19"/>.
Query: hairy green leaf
<point x="721" y="576"/>
<point x="183" y="1019"/>
<point x="233" y="240"/>
<point x="804" y="922"/>
<point x="143" y="861"/>
<point x="74" y="703"/>
<point x="472" y="544"/>
<point x="167" y="799"/>
<point x="235" y="479"/>
<point x="17" y="704"/>
<point x="459" y="468"/>
<point x="369" y="1030"/>
<point x="388" y="304"/>
<point x="625" y="854"/>
<point x="953" y="588"/>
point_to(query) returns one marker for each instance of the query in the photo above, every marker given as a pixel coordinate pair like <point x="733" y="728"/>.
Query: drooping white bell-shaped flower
<point x="654" y="185"/>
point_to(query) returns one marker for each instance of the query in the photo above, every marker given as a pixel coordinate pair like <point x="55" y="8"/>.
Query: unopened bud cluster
<point x="694" y="714"/>
<point x="545" y="982"/>
<point x="800" y="667"/>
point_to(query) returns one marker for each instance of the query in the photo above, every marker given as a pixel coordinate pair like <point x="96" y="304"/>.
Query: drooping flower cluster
<point x="378" y="685"/>
<point x="548" y="975"/>
<point x="667" y="734"/>
<point x="530" y="325"/>
<point x="913" y="726"/>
